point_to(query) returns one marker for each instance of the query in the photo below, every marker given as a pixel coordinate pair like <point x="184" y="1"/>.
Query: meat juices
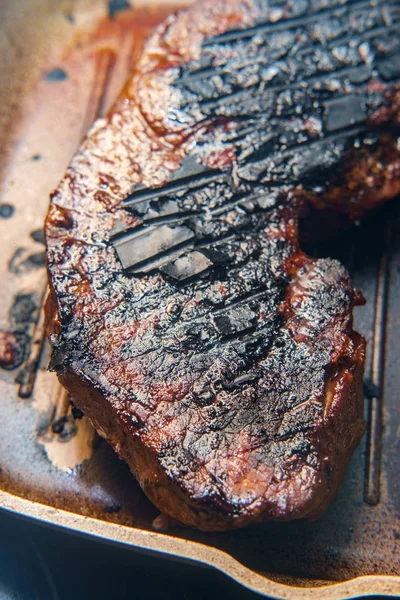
<point x="217" y="358"/>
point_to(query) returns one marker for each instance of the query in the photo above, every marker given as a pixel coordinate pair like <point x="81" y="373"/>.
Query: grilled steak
<point x="215" y="356"/>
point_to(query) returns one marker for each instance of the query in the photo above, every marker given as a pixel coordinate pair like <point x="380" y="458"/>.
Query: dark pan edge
<point x="384" y="585"/>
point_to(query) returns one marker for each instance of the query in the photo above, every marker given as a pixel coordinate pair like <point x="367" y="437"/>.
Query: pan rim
<point x="200" y="553"/>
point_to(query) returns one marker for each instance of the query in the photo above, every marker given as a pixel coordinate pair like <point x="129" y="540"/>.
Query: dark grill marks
<point x="284" y="134"/>
<point x="308" y="15"/>
<point x="343" y="112"/>
<point x="143" y="250"/>
<point x="183" y="182"/>
<point x="389" y="69"/>
<point x="324" y="67"/>
<point x="331" y="25"/>
<point x="235" y="263"/>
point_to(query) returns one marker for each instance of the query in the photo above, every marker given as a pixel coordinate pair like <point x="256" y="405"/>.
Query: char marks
<point x="292" y="96"/>
<point x="298" y="14"/>
<point x="296" y="91"/>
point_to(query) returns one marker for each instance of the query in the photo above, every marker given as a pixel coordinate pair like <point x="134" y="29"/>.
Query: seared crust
<point x="215" y="356"/>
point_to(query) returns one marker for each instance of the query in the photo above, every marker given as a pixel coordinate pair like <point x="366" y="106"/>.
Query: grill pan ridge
<point x="61" y="75"/>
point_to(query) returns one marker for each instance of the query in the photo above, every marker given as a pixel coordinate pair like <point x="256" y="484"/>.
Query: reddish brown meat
<point x="216" y="357"/>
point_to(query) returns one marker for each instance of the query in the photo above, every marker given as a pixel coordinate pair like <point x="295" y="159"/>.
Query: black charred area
<point x="298" y="92"/>
<point x="299" y="95"/>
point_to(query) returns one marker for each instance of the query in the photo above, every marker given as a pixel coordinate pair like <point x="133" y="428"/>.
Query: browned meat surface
<point x="216" y="357"/>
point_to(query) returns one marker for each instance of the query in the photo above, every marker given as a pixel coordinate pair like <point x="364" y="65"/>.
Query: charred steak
<point x="215" y="356"/>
